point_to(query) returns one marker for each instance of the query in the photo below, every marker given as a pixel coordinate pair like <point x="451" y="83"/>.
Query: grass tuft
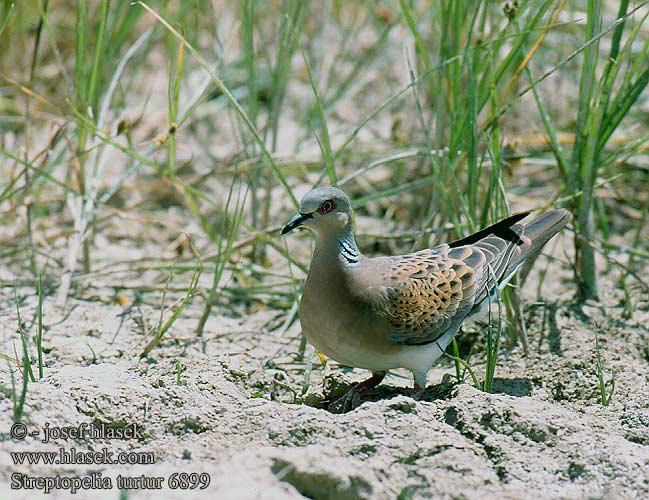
<point x="605" y="394"/>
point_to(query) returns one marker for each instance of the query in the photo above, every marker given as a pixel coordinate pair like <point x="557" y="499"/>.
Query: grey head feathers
<point x="314" y="198"/>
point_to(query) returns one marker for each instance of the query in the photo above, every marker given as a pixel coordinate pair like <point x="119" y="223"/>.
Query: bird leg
<point x="352" y="398"/>
<point x="419" y="379"/>
<point x="417" y="392"/>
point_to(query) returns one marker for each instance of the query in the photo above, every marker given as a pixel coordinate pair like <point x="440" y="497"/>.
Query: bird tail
<point x="537" y="232"/>
<point x="509" y="244"/>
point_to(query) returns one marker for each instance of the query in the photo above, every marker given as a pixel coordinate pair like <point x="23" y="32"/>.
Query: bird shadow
<point x="434" y="392"/>
<point x="517" y="387"/>
<point x="442" y="391"/>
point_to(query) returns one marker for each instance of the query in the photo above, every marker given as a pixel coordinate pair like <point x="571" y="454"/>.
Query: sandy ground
<point x="230" y="413"/>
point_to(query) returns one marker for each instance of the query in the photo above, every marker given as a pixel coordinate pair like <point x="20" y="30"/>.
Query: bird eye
<point x="326" y="207"/>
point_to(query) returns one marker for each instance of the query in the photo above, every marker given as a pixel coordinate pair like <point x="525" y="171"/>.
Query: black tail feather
<point x="502" y="229"/>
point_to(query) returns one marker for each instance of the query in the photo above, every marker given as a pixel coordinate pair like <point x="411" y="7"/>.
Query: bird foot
<point x="348" y="402"/>
<point x="417" y="392"/>
<point x="353" y="397"/>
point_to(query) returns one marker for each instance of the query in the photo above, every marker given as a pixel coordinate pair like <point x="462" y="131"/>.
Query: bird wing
<point x="430" y="292"/>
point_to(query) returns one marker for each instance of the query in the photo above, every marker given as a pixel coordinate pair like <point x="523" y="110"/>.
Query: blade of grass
<point x="224" y="247"/>
<point x="163" y="328"/>
<point x="493" y="341"/>
<point x="27" y="365"/>
<point x="232" y="100"/>
<point x="39" y="325"/>
<point x="18" y="402"/>
<point x="323" y="141"/>
<point x="604" y="395"/>
<point x="8" y="12"/>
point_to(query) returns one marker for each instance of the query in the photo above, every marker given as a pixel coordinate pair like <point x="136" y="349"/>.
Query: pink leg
<point x="417" y="391"/>
<point x="366" y="386"/>
<point x="419" y="386"/>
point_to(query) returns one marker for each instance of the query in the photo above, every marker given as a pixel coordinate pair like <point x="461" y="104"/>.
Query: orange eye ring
<point x="326" y="207"/>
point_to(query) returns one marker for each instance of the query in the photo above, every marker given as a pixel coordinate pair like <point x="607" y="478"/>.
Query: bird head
<point x="323" y="210"/>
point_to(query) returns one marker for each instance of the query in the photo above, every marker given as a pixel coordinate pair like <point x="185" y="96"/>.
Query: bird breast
<point x="338" y="323"/>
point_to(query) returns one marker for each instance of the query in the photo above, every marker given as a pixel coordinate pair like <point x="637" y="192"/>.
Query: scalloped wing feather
<point x="431" y="292"/>
<point x="427" y="294"/>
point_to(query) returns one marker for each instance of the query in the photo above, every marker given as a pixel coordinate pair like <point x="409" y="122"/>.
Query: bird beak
<point x="296" y="221"/>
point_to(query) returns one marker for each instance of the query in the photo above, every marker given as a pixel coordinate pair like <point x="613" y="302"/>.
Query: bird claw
<point x="351" y="400"/>
<point x="417" y="392"/>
